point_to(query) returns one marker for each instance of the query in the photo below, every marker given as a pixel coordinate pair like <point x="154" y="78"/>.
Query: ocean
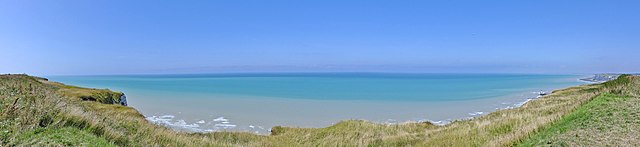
<point x="255" y="102"/>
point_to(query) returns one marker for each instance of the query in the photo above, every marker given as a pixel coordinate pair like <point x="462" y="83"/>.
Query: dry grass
<point x="29" y="104"/>
<point x="501" y="128"/>
<point x="59" y="106"/>
<point x="105" y="96"/>
<point x="609" y="119"/>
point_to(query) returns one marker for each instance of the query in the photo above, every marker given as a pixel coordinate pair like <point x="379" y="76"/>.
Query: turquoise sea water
<point x="257" y="101"/>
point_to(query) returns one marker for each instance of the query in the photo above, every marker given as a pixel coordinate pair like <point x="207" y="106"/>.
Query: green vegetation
<point x="34" y="111"/>
<point x="608" y="119"/>
<point x="104" y="96"/>
<point x="68" y="136"/>
<point x="40" y="110"/>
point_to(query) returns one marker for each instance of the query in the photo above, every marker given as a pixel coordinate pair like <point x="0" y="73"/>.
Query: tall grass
<point x="30" y="103"/>
<point x="611" y="119"/>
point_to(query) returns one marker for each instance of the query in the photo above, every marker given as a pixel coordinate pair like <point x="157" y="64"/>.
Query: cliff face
<point x="104" y="96"/>
<point x="123" y="100"/>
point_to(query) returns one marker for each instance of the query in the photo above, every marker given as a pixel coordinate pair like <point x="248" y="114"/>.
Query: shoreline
<point x="170" y="120"/>
<point x="500" y="128"/>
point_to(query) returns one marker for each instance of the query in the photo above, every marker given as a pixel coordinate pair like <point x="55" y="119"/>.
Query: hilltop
<point x="35" y="111"/>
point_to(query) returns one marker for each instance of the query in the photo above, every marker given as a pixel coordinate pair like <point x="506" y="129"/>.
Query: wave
<point x="217" y="124"/>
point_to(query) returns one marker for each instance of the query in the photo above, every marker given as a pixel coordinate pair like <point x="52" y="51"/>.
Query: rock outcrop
<point x="123" y="100"/>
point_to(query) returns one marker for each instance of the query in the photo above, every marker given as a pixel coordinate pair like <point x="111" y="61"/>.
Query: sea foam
<point x="198" y="126"/>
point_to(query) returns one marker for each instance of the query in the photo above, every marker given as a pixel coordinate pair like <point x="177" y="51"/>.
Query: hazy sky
<point x="127" y="37"/>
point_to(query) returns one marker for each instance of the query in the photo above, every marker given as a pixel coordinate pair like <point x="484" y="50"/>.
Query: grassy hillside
<point x="34" y="111"/>
<point x="38" y="112"/>
<point x="611" y="118"/>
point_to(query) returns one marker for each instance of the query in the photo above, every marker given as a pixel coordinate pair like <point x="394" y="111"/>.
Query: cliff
<point x="35" y="111"/>
<point x="104" y="96"/>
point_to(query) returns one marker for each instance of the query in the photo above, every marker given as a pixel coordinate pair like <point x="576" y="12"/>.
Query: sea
<point x="256" y="102"/>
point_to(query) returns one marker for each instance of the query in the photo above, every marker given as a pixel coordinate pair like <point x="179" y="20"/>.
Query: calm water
<point x="257" y="102"/>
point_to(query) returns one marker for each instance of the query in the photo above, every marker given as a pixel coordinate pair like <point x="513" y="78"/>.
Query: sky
<point x="63" y="37"/>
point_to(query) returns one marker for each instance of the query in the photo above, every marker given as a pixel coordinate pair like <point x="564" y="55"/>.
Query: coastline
<point x="499" y="128"/>
<point x="511" y="101"/>
<point x="476" y="114"/>
<point x="225" y="123"/>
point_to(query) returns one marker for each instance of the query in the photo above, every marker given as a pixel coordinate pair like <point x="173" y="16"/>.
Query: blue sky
<point x="136" y="37"/>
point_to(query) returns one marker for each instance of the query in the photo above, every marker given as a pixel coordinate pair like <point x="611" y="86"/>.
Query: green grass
<point x="67" y="136"/>
<point x="104" y="96"/>
<point x="608" y="119"/>
<point x="34" y="111"/>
